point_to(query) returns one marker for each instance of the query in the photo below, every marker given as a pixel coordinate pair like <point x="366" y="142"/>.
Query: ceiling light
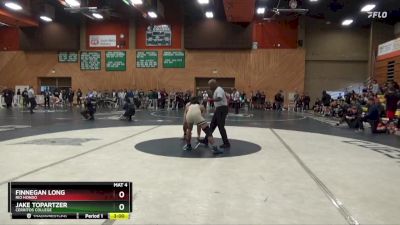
<point x="368" y="8"/>
<point x="97" y="16"/>
<point x="73" y="3"/>
<point x="260" y="10"/>
<point x="203" y="2"/>
<point x="137" y="2"/>
<point x="209" y="14"/>
<point x="313" y="0"/>
<point x="347" y="22"/>
<point x="13" y="6"/>
<point x="152" y="14"/>
<point x="46" y="18"/>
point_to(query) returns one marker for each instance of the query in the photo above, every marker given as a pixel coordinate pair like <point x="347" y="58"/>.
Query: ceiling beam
<point x="17" y="20"/>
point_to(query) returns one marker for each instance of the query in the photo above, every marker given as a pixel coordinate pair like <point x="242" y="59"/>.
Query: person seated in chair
<point x="129" y="108"/>
<point x="90" y="108"/>
<point x="372" y="116"/>
<point x="353" y="117"/>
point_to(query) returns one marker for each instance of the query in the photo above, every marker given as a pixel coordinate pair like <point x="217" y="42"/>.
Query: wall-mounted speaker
<point x="300" y="43"/>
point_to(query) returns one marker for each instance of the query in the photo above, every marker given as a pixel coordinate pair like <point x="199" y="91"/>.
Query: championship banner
<point x="158" y="35"/>
<point x="115" y="61"/>
<point x="146" y="59"/>
<point x="90" y="60"/>
<point x="174" y="59"/>
<point x="68" y="57"/>
<point x="102" y="41"/>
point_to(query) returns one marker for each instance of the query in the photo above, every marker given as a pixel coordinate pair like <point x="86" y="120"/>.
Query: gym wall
<point x="266" y="70"/>
<point x="336" y="57"/>
<point x="385" y="67"/>
<point x="380" y="33"/>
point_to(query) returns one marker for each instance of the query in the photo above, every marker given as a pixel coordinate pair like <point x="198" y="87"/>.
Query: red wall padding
<point x="269" y="34"/>
<point x="9" y="39"/>
<point x="109" y="28"/>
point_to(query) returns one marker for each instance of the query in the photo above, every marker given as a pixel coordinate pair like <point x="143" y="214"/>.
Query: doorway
<point x="53" y="83"/>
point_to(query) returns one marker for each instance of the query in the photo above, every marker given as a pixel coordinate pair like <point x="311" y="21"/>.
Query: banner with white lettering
<point x="389" y="49"/>
<point x="102" y="41"/>
<point x="158" y="35"/>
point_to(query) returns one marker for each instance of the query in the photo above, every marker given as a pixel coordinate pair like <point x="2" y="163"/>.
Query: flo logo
<point x="379" y="15"/>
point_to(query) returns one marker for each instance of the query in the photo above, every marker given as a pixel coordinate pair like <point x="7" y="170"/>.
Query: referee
<point x="221" y="111"/>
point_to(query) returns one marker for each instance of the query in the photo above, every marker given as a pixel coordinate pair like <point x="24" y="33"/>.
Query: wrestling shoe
<point x="216" y="150"/>
<point x="203" y="141"/>
<point x="187" y="148"/>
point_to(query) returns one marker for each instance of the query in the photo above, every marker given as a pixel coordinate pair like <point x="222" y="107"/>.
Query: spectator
<point x="129" y="108"/>
<point x="236" y="100"/>
<point x="71" y="94"/>
<point x="306" y="102"/>
<point x="317" y="105"/>
<point x="263" y="99"/>
<point x="279" y="100"/>
<point x="253" y="100"/>
<point x="79" y="97"/>
<point x="163" y="98"/>
<point x="47" y="95"/>
<point x="18" y="102"/>
<point x="258" y="99"/>
<point x="205" y="99"/>
<point x="326" y="102"/>
<point x="372" y="117"/>
<point x="24" y="95"/>
<point x="391" y="103"/>
<point x="375" y="87"/>
<point x="8" y="97"/>
<point x="296" y="99"/>
<point x="32" y="99"/>
<point x="353" y="117"/>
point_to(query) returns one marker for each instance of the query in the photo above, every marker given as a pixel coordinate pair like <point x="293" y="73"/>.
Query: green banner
<point x="91" y="60"/>
<point x="68" y="57"/>
<point x="174" y="59"/>
<point x="146" y="59"/>
<point x="115" y="61"/>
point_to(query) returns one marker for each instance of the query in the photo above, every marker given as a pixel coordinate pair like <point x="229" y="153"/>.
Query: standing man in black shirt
<point x="279" y="100"/>
<point x="24" y="95"/>
<point x="71" y="94"/>
<point x="47" y="94"/>
<point x="263" y="98"/>
<point x="8" y="97"/>
<point x="79" y="97"/>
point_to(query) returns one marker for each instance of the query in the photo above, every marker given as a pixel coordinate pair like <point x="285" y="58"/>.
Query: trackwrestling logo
<point x="379" y="15"/>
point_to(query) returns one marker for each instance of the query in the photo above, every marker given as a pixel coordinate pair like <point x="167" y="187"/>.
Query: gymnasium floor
<point x="283" y="168"/>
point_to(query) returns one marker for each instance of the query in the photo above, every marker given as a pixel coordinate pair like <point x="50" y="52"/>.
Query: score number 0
<point x="121" y="206"/>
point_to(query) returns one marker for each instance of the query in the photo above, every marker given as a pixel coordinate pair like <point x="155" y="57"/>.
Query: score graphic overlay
<point x="70" y="200"/>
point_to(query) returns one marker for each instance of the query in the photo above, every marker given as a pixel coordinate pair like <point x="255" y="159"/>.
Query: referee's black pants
<point x="218" y="120"/>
